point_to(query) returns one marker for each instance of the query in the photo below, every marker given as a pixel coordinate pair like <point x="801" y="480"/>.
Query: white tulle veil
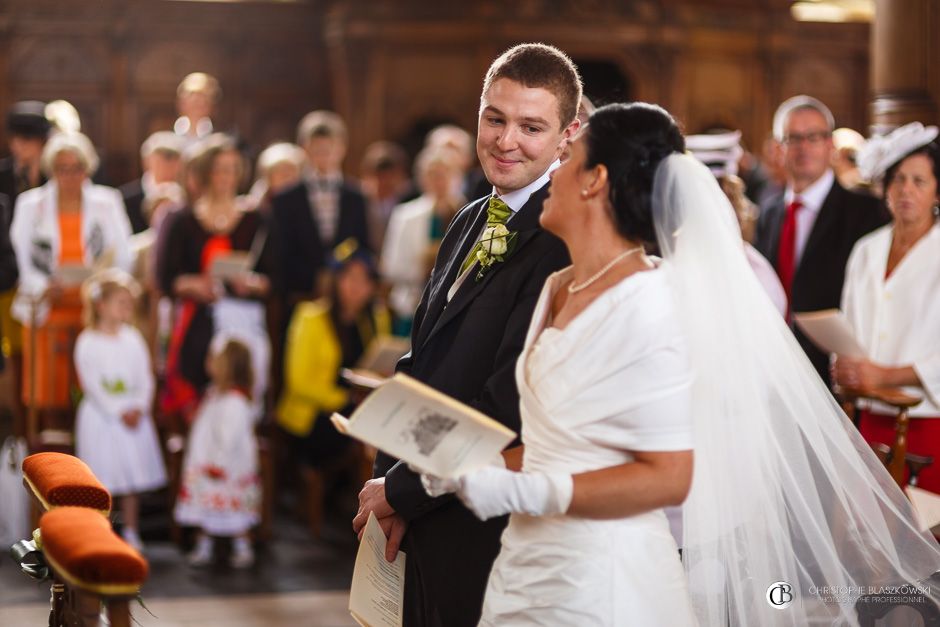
<point x="784" y="487"/>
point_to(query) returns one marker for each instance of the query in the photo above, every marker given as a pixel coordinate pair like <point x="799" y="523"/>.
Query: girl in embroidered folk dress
<point x="220" y="491"/>
<point x="892" y="293"/>
<point x="114" y="431"/>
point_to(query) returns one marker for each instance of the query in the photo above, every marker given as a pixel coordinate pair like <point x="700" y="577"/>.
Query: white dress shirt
<point x="895" y="319"/>
<point x="515" y="200"/>
<point x="812" y="198"/>
<point x="323" y="193"/>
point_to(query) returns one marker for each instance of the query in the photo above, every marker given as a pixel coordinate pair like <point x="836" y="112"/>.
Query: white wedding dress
<point x="616" y="379"/>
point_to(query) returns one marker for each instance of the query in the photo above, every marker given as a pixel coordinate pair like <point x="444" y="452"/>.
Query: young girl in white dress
<point x="114" y="431"/>
<point x="220" y="491"/>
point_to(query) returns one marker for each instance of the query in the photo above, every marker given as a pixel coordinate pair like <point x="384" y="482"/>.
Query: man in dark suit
<point x="321" y="211"/>
<point x="160" y="155"/>
<point x="470" y="326"/>
<point x="808" y="231"/>
<point x="27" y="129"/>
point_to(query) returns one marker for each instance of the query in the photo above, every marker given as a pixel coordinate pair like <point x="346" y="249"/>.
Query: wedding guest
<point x="470" y="324"/>
<point x="892" y="294"/>
<point x="416" y="229"/>
<point x="197" y="97"/>
<point x="324" y="337"/>
<point x="27" y="130"/>
<point x="386" y="184"/>
<point x="211" y="299"/>
<point x="160" y="155"/>
<point x="279" y="167"/>
<point x="846" y="143"/>
<point x="322" y="210"/>
<point x="220" y="492"/>
<point x="629" y="364"/>
<point x="808" y="231"/>
<point x="61" y="231"/>
<point x="114" y="430"/>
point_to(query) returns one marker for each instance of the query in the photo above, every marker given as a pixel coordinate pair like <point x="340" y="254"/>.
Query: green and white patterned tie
<point x="497" y="212"/>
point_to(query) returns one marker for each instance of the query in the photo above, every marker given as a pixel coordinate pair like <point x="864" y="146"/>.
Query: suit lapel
<point x="526" y="223"/>
<point x="827" y="218"/>
<point x="437" y="297"/>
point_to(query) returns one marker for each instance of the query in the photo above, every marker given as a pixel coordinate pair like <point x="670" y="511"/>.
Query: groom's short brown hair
<point x="540" y="65"/>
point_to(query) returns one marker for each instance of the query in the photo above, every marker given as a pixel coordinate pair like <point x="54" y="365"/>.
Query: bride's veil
<point x="789" y="507"/>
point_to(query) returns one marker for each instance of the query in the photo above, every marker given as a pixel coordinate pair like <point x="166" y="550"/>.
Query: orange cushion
<point x="58" y="479"/>
<point x="82" y="548"/>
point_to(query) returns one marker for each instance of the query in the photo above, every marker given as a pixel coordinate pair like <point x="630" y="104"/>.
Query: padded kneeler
<point x="80" y="546"/>
<point x="59" y="480"/>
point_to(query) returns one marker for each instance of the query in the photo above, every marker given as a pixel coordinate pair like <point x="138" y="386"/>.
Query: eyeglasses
<point x="814" y="138"/>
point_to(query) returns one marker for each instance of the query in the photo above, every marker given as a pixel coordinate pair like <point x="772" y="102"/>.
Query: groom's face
<point x="519" y="133"/>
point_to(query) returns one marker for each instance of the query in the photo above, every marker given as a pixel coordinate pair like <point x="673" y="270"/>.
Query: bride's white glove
<point x="491" y="492"/>
<point x="436" y="486"/>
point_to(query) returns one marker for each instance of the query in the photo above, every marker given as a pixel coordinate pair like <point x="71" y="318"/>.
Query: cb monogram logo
<point x="780" y="595"/>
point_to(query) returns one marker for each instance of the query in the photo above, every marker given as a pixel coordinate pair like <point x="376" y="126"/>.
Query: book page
<point x="228" y="265"/>
<point x="426" y="429"/>
<point x="831" y="332"/>
<point x="382" y="355"/>
<point x="378" y="586"/>
<point x="926" y="506"/>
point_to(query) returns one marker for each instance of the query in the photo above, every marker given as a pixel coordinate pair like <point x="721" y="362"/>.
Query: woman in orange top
<point x="61" y="232"/>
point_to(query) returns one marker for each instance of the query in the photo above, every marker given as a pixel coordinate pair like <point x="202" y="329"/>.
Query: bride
<point x="628" y="366"/>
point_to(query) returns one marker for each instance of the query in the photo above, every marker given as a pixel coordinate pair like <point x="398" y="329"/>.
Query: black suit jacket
<point x="817" y="284"/>
<point x="467" y="349"/>
<point x="133" y="194"/>
<point x="301" y="251"/>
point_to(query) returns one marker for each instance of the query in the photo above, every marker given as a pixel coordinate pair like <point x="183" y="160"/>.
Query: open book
<point x="831" y="332"/>
<point x="926" y="506"/>
<point x="425" y="428"/>
<point x="230" y="264"/>
<point x="377" y="592"/>
<point x="383" y="354"/>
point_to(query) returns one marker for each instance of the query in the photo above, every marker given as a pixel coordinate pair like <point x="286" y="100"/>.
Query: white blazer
<point x="35" y="238"/>
<point x="896" y="319"/>
<point x="403" y="253"/>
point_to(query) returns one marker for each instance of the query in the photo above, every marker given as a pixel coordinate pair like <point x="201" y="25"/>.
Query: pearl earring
<point x="584" y="193"/>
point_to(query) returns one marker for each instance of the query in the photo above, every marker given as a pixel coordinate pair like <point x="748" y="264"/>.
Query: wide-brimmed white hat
<point x="881" y="152"/>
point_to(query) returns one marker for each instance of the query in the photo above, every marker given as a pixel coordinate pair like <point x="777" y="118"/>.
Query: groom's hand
<point x="394" y="528"/>
<point x="372" y="499"/>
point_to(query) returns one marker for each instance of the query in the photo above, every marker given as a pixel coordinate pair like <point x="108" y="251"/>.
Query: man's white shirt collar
<point x="813" y="196"/>
<point x="517" y="199"/>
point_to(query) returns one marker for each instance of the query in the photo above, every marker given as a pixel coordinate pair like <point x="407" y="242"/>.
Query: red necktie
<point x="786" y="251"/>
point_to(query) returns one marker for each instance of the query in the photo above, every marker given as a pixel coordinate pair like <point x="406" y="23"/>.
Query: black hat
<point x="28" y="118"/>
<point x="349" y="250"/>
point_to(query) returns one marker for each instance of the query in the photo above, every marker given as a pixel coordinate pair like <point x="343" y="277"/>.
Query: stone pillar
<point x="904" y="49"/>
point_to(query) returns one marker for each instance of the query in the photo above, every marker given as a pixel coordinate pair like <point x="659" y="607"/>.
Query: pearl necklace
<point x="572" y="288"/>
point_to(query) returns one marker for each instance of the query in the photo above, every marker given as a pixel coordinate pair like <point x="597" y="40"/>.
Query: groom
<point x="470" y="326"/>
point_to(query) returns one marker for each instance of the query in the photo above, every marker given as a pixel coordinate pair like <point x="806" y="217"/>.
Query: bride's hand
<point x="493" y="491"/>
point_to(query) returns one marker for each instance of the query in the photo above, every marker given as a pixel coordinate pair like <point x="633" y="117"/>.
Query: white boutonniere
<point x="495" y="246"/>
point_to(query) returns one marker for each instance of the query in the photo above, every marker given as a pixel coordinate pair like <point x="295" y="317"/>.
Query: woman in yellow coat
<point x="324" y="337"/>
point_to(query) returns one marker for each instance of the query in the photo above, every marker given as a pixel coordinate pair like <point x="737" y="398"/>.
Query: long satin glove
<point x="491" y="492"/>
<point x="435" y="486"/>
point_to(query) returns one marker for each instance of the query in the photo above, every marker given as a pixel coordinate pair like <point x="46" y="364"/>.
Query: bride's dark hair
<point x="630" y="140"/>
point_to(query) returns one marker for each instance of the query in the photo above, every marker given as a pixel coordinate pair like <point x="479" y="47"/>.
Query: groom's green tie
<point x="497" y="212"/>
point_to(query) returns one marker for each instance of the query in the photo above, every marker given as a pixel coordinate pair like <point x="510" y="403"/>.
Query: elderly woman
<point x="416" y="228"/>
<point x="61" y="232"/>
<point x="279" y="166"/>
<point x="214" y="262"/>
<point x="892" y="293"/>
